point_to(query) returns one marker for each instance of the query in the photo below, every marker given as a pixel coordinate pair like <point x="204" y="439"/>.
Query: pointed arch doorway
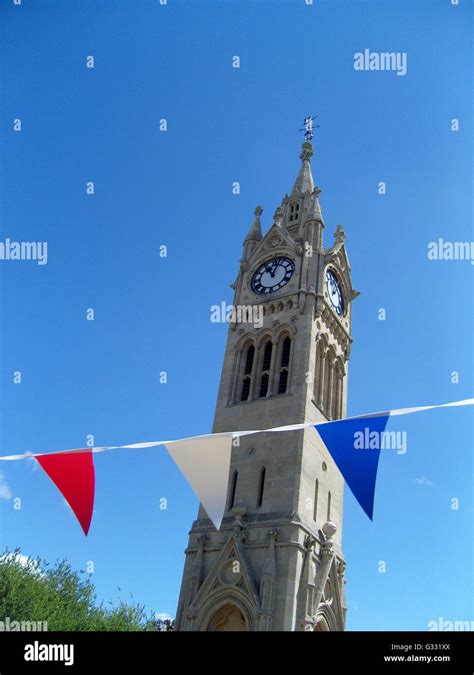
<point x="321" y="626"/>
<point x="228" y="618"/>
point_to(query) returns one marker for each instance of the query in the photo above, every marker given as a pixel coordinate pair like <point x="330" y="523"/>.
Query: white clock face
<point x="335" y="293"/>
<point x="272" y="275"/>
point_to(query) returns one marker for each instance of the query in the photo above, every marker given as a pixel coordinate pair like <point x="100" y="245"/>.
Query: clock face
<point x="272" y="275"/>
<point x="335" y="293"/>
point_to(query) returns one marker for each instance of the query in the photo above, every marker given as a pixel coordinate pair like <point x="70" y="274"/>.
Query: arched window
<point x="325" y="391"/>
<point x="233" y="488"/>
<point x="261" y="487"/>
<point x="321" y="374"/>
<point x="315" y="505"/>
<point x="294" y="211"/>
<point x="247" y="379"/>
<point x="329" y="506"/>
<point x="266" y="363"/>
<point x="284" y="365"/>
<point x="333" y="411"/>
<point x="331" y="388"/>
<point x="339" y="388"/>
<point x="317" y="369"/>
<point x="335" y="395"/>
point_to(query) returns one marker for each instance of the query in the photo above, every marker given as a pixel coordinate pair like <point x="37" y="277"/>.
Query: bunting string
<point x="205" y="461"/>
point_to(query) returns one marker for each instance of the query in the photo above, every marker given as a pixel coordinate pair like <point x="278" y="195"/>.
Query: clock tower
<point x="277" y="562"/>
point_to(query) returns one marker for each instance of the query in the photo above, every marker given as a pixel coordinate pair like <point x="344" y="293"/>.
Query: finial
<point x="306" y="151"/>
<point x="278" y="216"/>
<point x="329" y="529"/>
<point x="339" y="235"/>
<point x="258" y="211"/>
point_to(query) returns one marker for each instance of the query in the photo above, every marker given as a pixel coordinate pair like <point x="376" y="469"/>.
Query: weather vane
<point x="309" y="127"/>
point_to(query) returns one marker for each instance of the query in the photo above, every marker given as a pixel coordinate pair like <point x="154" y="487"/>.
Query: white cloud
<point x="5" y="492"/>
<point x="19" y="557"/>
<point x="422" y="480"/>
<point x="163" y="616"/>
<point x="22" y="560"/>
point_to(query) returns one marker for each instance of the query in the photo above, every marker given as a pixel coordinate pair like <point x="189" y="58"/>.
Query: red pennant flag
<point x="73" y="474"/>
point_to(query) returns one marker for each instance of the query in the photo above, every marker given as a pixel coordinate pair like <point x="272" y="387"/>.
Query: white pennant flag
<point x="205" y="464"/>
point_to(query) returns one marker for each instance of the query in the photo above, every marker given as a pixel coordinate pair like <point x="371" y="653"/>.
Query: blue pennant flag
<point x="354" y="445"/>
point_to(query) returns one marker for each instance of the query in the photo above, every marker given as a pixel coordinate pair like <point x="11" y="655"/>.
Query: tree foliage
<point x="34" y="590"/>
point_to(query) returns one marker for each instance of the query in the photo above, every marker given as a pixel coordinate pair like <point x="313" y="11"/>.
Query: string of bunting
<point x="205" y="461"/>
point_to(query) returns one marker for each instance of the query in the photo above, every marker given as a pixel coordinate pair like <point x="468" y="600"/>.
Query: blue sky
<point x="152" y="314"/>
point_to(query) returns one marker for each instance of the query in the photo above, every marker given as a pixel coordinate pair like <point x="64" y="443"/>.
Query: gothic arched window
<point x="338" y="390"/>
<point x="265" y="373"/>
<point x="233" y="488"/>
<point x="315" y="505"/>
<point x="284" y="365"/>
<point x="320" y="375"/>
<point x="294" y="211"/>
<point x="261" y="487"/>
<point x="329" y="506"/>
<point x="317" y="370"/>
<point x="249" y="356"/>
<point x="325" y="387"/>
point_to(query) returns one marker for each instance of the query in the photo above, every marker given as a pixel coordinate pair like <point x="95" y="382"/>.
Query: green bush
<point x="33" y="590"/>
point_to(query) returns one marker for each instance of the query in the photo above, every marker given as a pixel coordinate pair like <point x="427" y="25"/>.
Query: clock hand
<point x="268" y="269"/>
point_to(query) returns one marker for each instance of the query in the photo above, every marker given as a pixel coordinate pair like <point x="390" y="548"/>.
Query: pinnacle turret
<point x="255" y="232"/>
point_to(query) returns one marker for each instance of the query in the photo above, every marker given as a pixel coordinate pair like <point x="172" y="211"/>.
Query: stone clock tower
<point x="277" y="564"/>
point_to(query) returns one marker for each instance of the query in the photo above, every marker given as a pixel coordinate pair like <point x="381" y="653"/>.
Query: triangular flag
<point x="73" y="474"/>
<point x="205" y="464"/>
<point x="358" y="465"/>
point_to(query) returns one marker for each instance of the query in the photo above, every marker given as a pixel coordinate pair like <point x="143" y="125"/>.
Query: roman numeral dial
<point x="272" y="275"/>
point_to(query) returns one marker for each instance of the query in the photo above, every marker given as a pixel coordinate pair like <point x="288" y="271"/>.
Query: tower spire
<point x="292" y="323"/>
<point x="304" y="181"/>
